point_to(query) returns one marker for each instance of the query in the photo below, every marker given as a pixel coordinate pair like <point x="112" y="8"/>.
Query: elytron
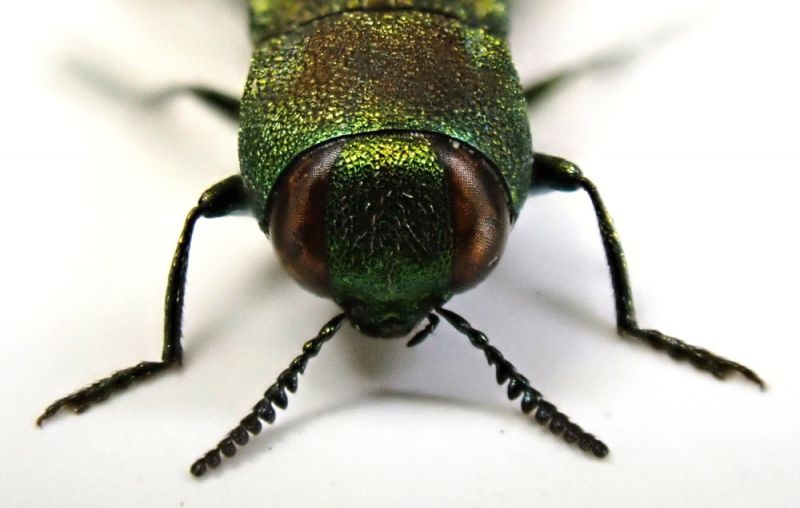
<point x="385" y="149"/>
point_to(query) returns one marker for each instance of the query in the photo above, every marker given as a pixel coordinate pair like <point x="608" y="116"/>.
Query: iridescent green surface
<point x="389" y="228"/>
<point x="362" y="72"/>
<point x="270" y="18"/>
<point x="383" y="74"/>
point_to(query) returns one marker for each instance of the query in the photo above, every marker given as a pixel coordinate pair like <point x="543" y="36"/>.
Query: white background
<point x="693" y="144"/>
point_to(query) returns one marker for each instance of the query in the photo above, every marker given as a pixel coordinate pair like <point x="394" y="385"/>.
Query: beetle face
<point x="389" y="225"/>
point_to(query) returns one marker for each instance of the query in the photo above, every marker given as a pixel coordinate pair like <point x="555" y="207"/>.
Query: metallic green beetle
<point x="384" y="147"/>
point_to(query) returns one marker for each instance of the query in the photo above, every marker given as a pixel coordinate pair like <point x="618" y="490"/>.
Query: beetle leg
<point x="420" y="336"/>
<point x="537" y="92"/>
<point x="222" y="199"/>
<point x="546" y="413"/>
<point x="554" y="173"/>
<point x="226" y="104"/>
<point x="274" y="396"/>
<point x="607" y="60"/>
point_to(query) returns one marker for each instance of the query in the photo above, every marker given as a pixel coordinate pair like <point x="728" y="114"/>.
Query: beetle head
<point x="389" y="224"/>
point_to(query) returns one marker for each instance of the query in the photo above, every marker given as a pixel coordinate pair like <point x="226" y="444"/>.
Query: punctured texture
<point x="390" y="238"/>
<point x="372" y="71"/>
<point x="270" y="18"/>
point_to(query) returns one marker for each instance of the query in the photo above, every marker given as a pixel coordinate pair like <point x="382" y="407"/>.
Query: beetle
<point x="385" y="150"/>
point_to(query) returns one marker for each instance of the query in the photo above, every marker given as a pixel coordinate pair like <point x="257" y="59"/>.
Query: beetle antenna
<point x="546" y="413"/>
<point x="274" y="396"/>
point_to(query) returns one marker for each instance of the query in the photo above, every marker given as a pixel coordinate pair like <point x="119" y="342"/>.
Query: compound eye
<point x="297" y="217"/>
<point x="481" y="220"/>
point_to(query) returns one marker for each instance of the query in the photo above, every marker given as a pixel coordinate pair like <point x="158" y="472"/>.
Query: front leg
<point x="553" y="173"/>
<point x="222" y="199"/>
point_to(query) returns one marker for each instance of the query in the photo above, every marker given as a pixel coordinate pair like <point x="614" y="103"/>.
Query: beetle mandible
<point x="384" y="148"/>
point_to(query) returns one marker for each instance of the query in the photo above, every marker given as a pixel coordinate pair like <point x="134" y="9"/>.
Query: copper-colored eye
<point x="481" y="220"/>
<point x="297" y="217"/>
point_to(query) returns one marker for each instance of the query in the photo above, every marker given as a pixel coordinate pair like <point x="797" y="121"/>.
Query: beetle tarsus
<point x="700" y="358"/>
<point x="518" y="385"/>
<point x="265" y="408"/>
<point x="99" y="391"/>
